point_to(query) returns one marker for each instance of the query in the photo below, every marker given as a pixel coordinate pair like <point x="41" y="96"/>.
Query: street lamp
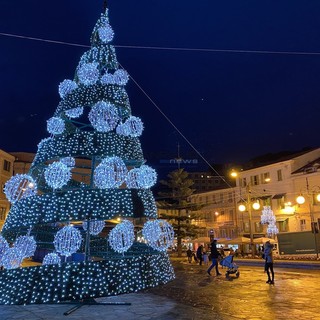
<point x="301" y="200"/>
<point x="248" y="207"/>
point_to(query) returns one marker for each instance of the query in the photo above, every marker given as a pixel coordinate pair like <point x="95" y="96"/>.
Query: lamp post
<point x="249" y="206"/>
<point x="301" y="200"/>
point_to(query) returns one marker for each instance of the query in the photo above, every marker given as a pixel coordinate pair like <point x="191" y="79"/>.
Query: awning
<point x="281" y="219"/>
<point x="278" y="196"/>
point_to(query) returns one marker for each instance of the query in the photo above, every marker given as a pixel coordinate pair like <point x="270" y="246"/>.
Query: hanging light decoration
<point x="110" y="173"/>
<point x="26" y="245"/>
<point x="4" y="246"/>
<point x="55" y="125"/>
<point x="66" y="87"/>
<point x="159" y="234"/>
<point x="88" y="73"/>
<point x="266" y="215"/>
<point x="57" y="175"/>
<point x="106" y="33"/>
<point x="68" y="161"/>
<point x="51" y="258"/>
<point x="132" y="178"/>
<point x="96" y="226"/>
<point x="104" y="116"/>
<point x="74" y="113"/>
<point x="121" y="236"/>
<point x="147" y="177"/>
<point x="107" y="78"/>
<point x="67" y="240"/>
<point x="20" y="186"/>
<point x="12" y="258"/>
<point x="121" y="77"/>
<point x="272" y="229"/>
<point x="132" y="127"/>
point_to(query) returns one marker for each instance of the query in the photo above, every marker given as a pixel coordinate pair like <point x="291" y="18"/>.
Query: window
<point x="254" y="180"/>
<point x="214" y="198"/>
<point x="279" y="175"/>
<point x="231" y="214"/>
<point x="221" y="197"/>
<point x="265" y="177"/>
<point x="246" y="227"/>
<point x="230" y="198"/>
<point x="6" y="165"/>
<point x="283" y="225"/>
<point x="258" y="227"/>
<point x="2" y="213"/>
<point x="243" y="182"/>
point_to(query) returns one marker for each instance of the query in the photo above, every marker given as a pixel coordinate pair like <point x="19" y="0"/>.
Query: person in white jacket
<point x="268" y="255"/>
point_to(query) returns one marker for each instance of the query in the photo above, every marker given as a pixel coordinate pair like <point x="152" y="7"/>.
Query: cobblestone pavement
<point x="196" y="295"/>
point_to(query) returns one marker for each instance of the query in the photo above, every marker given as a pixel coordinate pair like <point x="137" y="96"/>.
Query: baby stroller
<point x="232" y="267"/>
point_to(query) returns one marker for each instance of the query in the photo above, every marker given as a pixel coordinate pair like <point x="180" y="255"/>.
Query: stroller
<point x="232" y="266"/>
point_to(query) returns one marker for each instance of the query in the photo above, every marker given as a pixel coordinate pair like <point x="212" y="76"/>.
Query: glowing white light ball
<point x="121" y="237"/>
<point x="67" y="240"/>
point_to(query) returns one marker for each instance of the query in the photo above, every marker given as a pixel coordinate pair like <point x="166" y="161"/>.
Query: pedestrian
<point x="189" y="255"/>
<point x="215" y="255"/>
<point x="268" y="256"/>
<point x="200" y="254"/>
<point x="205" y="258"/>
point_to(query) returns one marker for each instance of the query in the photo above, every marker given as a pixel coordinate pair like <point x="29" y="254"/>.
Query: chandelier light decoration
<point x="51" y="258"/>
<point x="268" y="217"/>
<point x="95" y="226"/>
<point x="20" y="186"/>
<point x="121" y="236"/>
<point x="67" y="241"/>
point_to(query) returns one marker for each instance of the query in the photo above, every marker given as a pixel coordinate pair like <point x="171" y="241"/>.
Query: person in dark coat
<point x="200" y="254"/>
<point x="214" y="258"/>
<point x="268" y="255"/>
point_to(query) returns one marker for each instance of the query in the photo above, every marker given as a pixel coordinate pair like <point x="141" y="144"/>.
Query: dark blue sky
<point x="230" y="106"/>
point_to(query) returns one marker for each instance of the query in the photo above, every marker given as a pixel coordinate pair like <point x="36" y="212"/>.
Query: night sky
<point x="231" y="106"/>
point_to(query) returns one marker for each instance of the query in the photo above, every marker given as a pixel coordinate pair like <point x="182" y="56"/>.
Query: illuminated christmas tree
<point x="89" y="171"/>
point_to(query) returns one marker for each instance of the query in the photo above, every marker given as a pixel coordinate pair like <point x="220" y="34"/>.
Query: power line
<point x="169" y="48"/>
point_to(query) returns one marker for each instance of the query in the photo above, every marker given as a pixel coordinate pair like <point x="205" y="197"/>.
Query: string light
<point x="133" y="127"/>
<point x="74" y="112"/>
<point x="12" y="258"/>
<point x="20" y="186"/>
<point x="26" y="245"/>
<point x="51" y="258"/>
<point x="57" y="175"/>
<point x="96" y="226"/>
<point x="55" y="125"/>
<point x="110" y="173"/>
<point x="66" y="87"/>
<point x="88" y="73"/>
<point x="121" y="236"/>
<point x="104" y="116"/>
<point x="67" y="240"/>
<point x="4" y="246"/>
<point x="68" y="161"/>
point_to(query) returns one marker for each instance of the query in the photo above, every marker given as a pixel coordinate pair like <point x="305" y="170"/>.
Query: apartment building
<point x="276" y="185"/>
<point x="6" y="171"/>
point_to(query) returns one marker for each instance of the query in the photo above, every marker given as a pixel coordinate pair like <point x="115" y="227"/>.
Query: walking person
<point x="268" y="256"/>
<point x="200" y="254"/>
<point x="189" y="255"/>
<point x="214" y="258"/>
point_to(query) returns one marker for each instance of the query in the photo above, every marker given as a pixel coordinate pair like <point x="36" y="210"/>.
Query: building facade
<point x="276" y="185"/>
<point x="6" y="171"/>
